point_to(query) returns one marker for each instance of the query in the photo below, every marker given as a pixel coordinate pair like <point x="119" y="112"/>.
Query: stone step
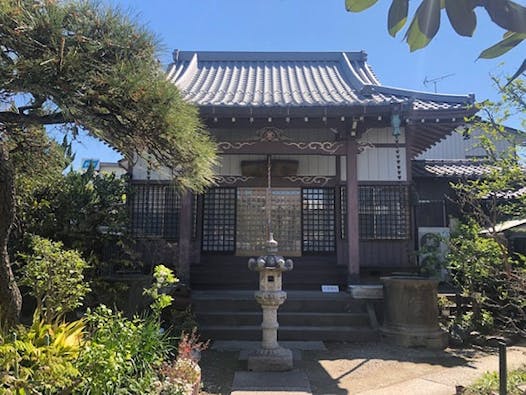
<point x="297" y="301"/>
<point x="306" y="275"/>
<point x="284" y="318"/>
<point x="304" y="333"/>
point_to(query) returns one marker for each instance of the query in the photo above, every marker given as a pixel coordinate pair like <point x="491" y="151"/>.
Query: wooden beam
<point x="282" y="147"/>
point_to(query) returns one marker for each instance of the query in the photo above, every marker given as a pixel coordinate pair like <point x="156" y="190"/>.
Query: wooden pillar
<point x="340" y="245"/>
<point x="353" y="237"/>
<point x="413" y="231"/>
<point x="185" y="237"/>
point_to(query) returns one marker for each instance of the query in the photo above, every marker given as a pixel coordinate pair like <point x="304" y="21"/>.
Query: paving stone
<point x="233" y="345"/>
<point x="252" y="383"/>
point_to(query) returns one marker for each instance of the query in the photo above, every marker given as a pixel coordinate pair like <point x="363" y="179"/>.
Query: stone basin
<point x="411" y="312"/>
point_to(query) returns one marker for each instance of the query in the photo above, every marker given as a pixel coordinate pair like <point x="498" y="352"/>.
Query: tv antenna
<point x="434" y="81"/>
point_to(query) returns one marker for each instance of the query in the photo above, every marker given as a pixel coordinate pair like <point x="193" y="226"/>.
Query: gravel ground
<point x="346" y="368"/>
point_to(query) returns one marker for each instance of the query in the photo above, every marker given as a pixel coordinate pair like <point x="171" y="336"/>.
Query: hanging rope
<point x="395" y="124"/>
<point x="268" y="197"/>
<point x="397" y="153"/>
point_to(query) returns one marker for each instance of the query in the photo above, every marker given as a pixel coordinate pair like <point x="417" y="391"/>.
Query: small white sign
<point x="330" y="289"/>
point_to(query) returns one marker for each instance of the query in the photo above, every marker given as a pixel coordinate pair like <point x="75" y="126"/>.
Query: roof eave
<point x="453" y="115"/>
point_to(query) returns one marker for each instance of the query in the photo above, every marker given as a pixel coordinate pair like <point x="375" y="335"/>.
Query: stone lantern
<point x="270" y="357"/>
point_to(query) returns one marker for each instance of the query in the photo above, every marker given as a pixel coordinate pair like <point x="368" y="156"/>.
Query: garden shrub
<point x="495" y="281"/>
<point x="488" y="384"/>
<point x="55" y="277"/>
<point x="41" y="359"/>
<point x="121" y="354"/>
<point x="179" y="376"/>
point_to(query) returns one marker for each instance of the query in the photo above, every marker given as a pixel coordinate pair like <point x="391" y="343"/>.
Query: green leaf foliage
<point x="358" y="5"/>
<point x="55" y="277"/>
<point x="397" y="16"/>
<point x="507" y="14"/>
<point x="462" y="16"/>
<point x="415" y="37"/>
<point x="482" y="264"/>
<point x="163" y="279"/>
<point x="41" y="359"/>
<point x="122" y="354"/>
<point x="520" y="70"/>
<point x="425" y="22"/>
<point x="510" y="41"/>
<point x="488" y="384"/>
<point x="86" y="65"/>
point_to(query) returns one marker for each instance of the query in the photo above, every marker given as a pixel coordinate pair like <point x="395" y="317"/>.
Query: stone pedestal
<point x="411" y="313"/>
<point x="270" y="357"/>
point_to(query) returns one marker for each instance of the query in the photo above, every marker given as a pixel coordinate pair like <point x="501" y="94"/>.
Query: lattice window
<point x="318" y="213"/>
<point x="384" y="212"/>
<point x="219" y="220"/>
<point x="155" y="211"/>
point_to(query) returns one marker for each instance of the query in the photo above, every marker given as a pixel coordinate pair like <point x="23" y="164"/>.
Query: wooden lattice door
<point x="251" y="234"/>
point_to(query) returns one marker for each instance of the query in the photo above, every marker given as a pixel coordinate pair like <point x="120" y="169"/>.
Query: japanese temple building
<point x="339" y="147"/>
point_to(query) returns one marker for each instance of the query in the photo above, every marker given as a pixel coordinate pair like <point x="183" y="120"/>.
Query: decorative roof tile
<point x="292" y="79"/>
<point x="449" y="168"/>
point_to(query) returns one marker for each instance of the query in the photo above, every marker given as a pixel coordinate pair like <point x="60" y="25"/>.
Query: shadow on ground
<point x="344" y="368"/>
<point x="347" y="368"/>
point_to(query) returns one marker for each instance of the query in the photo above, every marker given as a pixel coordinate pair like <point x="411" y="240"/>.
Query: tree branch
<point x="10" y="117"/>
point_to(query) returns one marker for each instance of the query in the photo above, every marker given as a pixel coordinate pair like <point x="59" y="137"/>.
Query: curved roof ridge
<point x="185" y="56"/>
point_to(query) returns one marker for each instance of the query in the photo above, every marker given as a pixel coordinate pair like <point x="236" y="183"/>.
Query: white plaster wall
<point x="140" y="171"/>
<point x="381" y="136"/>
<point x="378" y="164"/>
<point x="308" y="165"/>
<point x="456" y="146"/>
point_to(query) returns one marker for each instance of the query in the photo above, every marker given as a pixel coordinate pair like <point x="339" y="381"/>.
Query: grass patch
<point x="488" y="384"/>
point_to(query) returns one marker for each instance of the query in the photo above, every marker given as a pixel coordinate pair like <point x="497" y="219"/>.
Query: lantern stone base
<point x="270" y="360"/>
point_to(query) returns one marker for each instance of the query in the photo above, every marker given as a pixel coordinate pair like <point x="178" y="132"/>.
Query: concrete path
<point x="374" y="376"/>
<point x="444" y="381"/>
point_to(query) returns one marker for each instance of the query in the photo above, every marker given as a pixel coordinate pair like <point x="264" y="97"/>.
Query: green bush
<point x="122" y="354"/>
<point x="483" y="269"/>
<point x="55" y="278"/>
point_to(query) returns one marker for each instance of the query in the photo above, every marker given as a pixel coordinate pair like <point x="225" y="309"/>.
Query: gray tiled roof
<point x="292" y="79"/>
<point x="449" y="168"/>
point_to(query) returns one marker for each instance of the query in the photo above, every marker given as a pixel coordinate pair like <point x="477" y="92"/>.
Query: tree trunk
<point x="10" y="297"/>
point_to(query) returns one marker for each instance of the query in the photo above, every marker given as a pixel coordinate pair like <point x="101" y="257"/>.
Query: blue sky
<point x="321" y="25"/>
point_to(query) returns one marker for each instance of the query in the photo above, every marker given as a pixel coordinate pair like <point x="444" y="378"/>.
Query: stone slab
<point x="234" y="345"/>
<point x="366" y="291"/>
<point x="244" y="354"/>
<point x="292" y="382"/>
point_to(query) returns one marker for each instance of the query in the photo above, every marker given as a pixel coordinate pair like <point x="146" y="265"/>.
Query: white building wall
<point x="140" y="172"/>
<point x="457" y="146"/>
<point x="381" y="136"/>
